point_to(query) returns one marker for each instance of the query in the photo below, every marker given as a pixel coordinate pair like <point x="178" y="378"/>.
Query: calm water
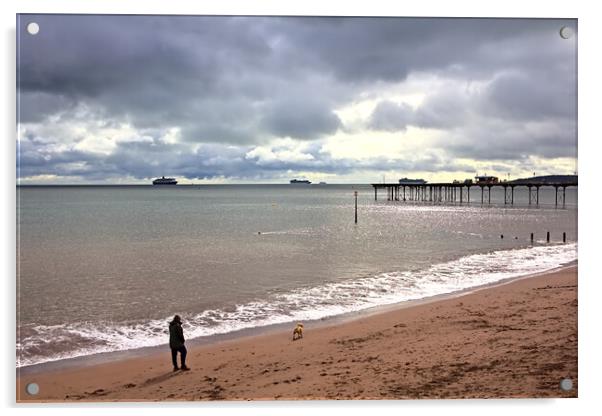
<point x="104" y="268"/>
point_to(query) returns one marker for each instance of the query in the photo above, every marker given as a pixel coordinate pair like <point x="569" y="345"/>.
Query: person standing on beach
<point x="176" y="343"/>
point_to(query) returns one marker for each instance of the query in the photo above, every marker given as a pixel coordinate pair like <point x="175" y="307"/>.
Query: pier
<point x="459" y="192"/>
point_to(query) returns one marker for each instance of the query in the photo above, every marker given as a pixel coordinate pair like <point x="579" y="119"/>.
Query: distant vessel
<point x="322" y="183"/>
<point x="165" y="181"/>
<point x="304" y="181"/>
<point x="407" y="181"/>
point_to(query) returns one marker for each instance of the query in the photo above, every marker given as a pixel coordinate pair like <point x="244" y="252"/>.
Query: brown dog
<point x="298" y="332"/>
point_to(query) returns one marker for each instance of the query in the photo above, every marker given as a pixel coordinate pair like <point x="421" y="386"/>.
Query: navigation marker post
<point x="355" y="194"/>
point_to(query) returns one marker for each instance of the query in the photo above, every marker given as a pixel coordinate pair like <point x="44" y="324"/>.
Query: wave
<point x="296" y="231"/>
<point x="44" y="343"/>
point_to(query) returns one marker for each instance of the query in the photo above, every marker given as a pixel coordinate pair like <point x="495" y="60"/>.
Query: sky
<point x="208" y="99"/>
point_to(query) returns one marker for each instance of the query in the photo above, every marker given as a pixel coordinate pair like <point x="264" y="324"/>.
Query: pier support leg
<point x="489" y="195"/>
<point x="482" y="190"/>
<point x="563" y="196"/>
<point x="512" y="187"/>
<point x="375" y="193"/>
<point x="556" y="197"/>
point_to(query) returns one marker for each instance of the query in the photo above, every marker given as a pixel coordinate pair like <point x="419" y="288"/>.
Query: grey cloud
<point x="391" y="116"/>
<point x="245" y="80"/>
<point x="35" y="106"/>
<point x="156" y="69"/>
<point x="498" y="140"/>
<point x="528" y="96"/>
<point x="445" y="109"/>
<point x="512" y="116"/>
<point x="151" y="158"/>
<point x="302" y="119"/>
<point x="392" y="48"/>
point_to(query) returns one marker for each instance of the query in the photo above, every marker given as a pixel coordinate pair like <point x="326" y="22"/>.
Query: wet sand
<point x="517" y="339"/>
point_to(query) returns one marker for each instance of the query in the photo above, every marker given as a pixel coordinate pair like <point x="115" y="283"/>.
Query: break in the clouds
<point x="263" y="99"/>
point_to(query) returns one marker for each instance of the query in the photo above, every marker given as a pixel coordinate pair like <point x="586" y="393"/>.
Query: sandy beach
<point x="513" y="340"/>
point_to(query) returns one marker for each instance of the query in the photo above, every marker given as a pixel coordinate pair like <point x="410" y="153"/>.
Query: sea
<point x="102" y="269"/>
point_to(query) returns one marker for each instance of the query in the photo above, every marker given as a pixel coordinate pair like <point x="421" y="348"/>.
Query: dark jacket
<point x="176" y="335"/>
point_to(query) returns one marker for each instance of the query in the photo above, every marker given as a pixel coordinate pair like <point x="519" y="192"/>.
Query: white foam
<point x="303" y="304"/>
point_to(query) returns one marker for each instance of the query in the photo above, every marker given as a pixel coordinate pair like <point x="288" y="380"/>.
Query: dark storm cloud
<point x="246" y="80"/>
<point x="388" y="49"/>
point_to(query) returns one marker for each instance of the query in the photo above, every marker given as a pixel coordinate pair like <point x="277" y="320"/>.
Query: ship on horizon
<point x="302" y="181"/>
<point x="165" y="181"/>
<point x="408" y="181"/>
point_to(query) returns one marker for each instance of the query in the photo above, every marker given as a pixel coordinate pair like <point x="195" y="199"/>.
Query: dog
<point x="298" y="332"/>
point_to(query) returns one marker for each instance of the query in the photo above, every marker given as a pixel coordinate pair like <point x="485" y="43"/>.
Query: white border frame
<point x="589" y="280"/>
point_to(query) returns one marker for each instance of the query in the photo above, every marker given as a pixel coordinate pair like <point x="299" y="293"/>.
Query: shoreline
<point x="241" y="334"/>
<point x="270" y="353"/>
